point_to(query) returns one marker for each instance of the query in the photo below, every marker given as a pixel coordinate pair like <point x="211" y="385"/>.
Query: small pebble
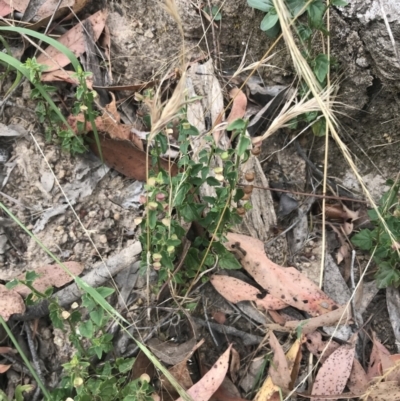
<point x="117" y="216"/>
<point x="92" y="213"/>
<point x="103" y="239"/>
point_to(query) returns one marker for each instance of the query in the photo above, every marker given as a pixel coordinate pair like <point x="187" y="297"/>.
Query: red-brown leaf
<point x="235" y="291"/>
<point x="334" y="373"/>
<point x="287" y="284"/>
<point x="74" y="39"/>
<point x="210" y="382"/>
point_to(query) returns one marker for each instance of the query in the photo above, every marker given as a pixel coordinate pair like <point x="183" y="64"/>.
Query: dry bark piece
<point x="287" y="284"/>
<point x="50" y="276"/>
<point x="235" y="291"/>
<point x="10" y="302"/>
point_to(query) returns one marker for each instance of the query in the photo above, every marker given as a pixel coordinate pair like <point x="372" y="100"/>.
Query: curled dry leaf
<point x="333" y="375"/>
<point x="50" y="276"/>
<point x="235" y="291"/>
<point x="308" y="326"/>
<point x="74" y="39"/>
<point x="287" y="284"/>
<point x="109" y="122"/>
<point x="4" y="368"/>
<point x="358" y="380"/>
<point x="269" y="391"/>
<point x="127" y="159"/>
<point x="210" y="382"/>
<point x="279" y="369"/>
<point x="171" y="353"/>
<point x="239" y="105"/>
<point x="375" y="360"/>
<point x="318" y="347"/>
<point x="10" y="302"/>
<point x="234" y="365"/>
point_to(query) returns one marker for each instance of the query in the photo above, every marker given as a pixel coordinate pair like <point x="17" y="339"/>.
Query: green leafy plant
<point x="46" y="110"/>
<point x="305" y="28"/>
<point x="378" y="242"/>
<point x="172" y="203"/>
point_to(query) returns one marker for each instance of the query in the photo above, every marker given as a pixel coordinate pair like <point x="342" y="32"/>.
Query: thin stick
<point x="306" y="194"/>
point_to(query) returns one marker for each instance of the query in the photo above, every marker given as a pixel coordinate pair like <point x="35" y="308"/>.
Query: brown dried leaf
<point x="279" y="369"/>
<point x="210" y="382"/>
<point x="171" y="353"/>
<point x="316" y="346"/>
<point x="142" y="365"/>
<point x="126" y="158"/>
<point x="10" y="302"/>
<point x="50" y="276"/>
<point x="19" y="5"/>
<point x="235" y="291"/>
<point x="358" y="380"/>
<point x="287" y="284"/>
<point x="4" y="368"/>
<point x="333" y="375"/>
<point x="74" y="39"/>
<point x="384" y="391"/>
<point x="375" y="360"/>
<point x="5" y="8"/>
<point x="238" y="106"/>
<point x="234" y="365"/>
<point x="109" y="122"/>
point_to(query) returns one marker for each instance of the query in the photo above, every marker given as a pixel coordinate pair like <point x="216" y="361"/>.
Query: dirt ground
<point x="146" y="44"/>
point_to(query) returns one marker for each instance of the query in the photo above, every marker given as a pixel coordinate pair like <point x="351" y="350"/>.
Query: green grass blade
<point x="60" y="47"/>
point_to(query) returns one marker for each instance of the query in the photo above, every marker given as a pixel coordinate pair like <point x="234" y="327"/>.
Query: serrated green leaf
<point x="86" y="329"/>
<point x="304" y="31"/>
<point x="269" y="20"/>
<point x="363" y="240"/>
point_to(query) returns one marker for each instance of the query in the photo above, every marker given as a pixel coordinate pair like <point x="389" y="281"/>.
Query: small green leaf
<point x="125" y="365"/>
<point x="86" y="329"/>
<point x="339" y="3"/>
<point x="213" y="182"/>
<point x="321" y="67"/>
<point x="238" y="195"/>
<point x="238" y="124"/>
<point x="244" y="143"/>
<point x="228" y="261"/>
<point x="105" y="291"/>
<point x="304" y="31"/>
<point x="97" y="316"/>
<point x="363" y="240"/>
<point x="319" y="127"/>
<point x="262" y="5"/>
<point x="269" y="20"/>
<point x="316" y="12"/>
<point x="295" y="6"/>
